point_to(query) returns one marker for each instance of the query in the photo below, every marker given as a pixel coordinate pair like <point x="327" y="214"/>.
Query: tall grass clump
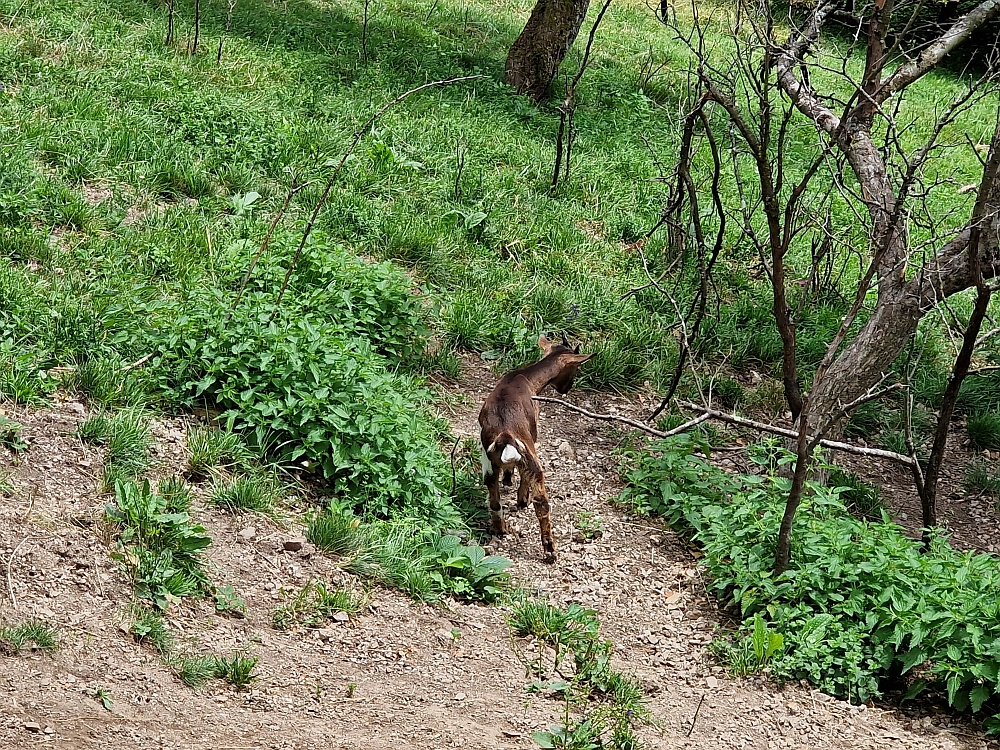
<point x="860" y="604"/>
<point x="126" y="436"/>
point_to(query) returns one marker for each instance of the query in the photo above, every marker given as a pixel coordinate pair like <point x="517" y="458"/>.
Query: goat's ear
<point x="579" y="359"/>
<point x="544" y="344"/>
<point x="577" y="350"/>
<point x="565" y="341"/>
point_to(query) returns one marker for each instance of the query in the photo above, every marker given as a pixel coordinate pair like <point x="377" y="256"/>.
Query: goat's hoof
<point x="501" y="530"/>
<point x="550" y="558"/>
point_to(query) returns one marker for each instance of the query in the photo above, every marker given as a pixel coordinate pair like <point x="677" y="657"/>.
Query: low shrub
<point x="859" y="605"/>
<point x="318" y="381"/>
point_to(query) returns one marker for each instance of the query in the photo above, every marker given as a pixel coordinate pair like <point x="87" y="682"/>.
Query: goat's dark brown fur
<point x="509" y="430"/>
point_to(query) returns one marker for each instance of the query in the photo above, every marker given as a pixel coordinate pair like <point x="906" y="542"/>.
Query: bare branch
<point x="960" y="32"/>
<point x="624" y="420"/>
<point x="763" y="427"/>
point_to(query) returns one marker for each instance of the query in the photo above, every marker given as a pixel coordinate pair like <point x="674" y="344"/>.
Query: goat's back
<point x="509" y="408"/>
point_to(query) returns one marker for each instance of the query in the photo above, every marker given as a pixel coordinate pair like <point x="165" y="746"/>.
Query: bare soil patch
<point x="422" y="677"/>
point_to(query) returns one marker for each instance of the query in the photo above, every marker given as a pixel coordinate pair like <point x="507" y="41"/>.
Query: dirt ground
<point x="400" y="675"/>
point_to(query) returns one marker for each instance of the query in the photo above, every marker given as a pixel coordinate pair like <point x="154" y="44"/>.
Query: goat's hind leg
<point x="498" y="524"/>
<point x="540" y="499"/>
<point x="523" y="488"/>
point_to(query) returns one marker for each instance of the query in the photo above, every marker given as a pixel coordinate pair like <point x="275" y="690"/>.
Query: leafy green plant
<point x="316" y="385"/>
<point x="611" y="701"/>
<point x="862" y="498"/>
<point x="104" y="697"/>
<point x="160" y="548"/>
<point x="752" y="653"/>
<point x="16" y="637"/>
<point x="860" y="604"/>
<point x="466" y="572"/>
<point x="589" y="525"/>
<point x="228" y="602"/>
<point x="315" y="604"/>
<point x="10" y="436"/>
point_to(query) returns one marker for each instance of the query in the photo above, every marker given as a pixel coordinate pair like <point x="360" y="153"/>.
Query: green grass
<point x="252" y="493"/>
<point x="315" y="604"/>
<point x="107" y="383"/>
<point x="151" y="629"/>
<point x="16" y="637"/>
<point x="126" y="436"/>
<point x="214" y="449"/>
<point x="237" y="670"/>
<point x="982" y="478"/>
<point x="984" y="430"/>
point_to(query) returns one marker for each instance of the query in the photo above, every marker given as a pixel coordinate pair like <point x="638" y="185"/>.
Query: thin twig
<point x="264" y="243"/>
<point x="453" y="449"/>
<point x="333" y="178"/>
<point x="10" y="582"/>
<point x="695" y="718"/>
<point x="138" y="363"/>
<point x="623" y="420"/>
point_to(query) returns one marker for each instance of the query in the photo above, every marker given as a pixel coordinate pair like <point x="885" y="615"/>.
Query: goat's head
<point x="569" y="358"/>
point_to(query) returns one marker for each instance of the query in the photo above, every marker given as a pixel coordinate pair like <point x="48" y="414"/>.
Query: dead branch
<point x="832" y="444"/>
<point x="624" y="420"/>
<point x="10" y="582"/>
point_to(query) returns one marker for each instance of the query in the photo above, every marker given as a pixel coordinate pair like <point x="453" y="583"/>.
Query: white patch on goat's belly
<point x="487" y="464"/>
<point x="510" y="454"/>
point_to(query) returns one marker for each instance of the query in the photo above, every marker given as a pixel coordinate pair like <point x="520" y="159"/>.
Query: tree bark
<point x="534" y="59"/>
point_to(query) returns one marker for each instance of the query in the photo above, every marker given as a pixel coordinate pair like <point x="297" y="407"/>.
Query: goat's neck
<point x="542" y="373"/>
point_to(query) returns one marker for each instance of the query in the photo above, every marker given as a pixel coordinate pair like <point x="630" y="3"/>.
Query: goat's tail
<point x="507" y="448"/>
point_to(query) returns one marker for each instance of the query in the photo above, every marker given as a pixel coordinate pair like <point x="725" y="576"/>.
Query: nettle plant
<point x="860" y="604"/>
<point x="315" y="381"/>
<point x="158" y="545"/>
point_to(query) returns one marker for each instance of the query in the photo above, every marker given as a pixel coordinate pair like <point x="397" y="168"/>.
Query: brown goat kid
<point x="509" y="422"/>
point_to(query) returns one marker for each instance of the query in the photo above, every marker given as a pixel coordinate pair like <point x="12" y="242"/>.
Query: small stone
<point x="341" y="617"/>
<point x="32" y="726"/>
<point x="712" y="682"/>
<point x="293" y="545"/>
<point x="326" y="634"/>
<point x="76" y="407"/>
<point x="49" y="730"/>
<point x="565" y="450"/>
<point x="460" y="696"/>
<point x="248" y="533"/>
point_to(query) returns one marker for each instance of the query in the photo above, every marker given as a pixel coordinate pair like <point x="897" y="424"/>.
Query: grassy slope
<point x="96" y="102"/>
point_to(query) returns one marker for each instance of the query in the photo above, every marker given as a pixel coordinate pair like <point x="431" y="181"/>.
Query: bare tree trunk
<point x="534" y="59"/>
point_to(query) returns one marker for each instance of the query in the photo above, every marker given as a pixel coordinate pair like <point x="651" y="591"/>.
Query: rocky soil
<point x="399" y="675"/>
